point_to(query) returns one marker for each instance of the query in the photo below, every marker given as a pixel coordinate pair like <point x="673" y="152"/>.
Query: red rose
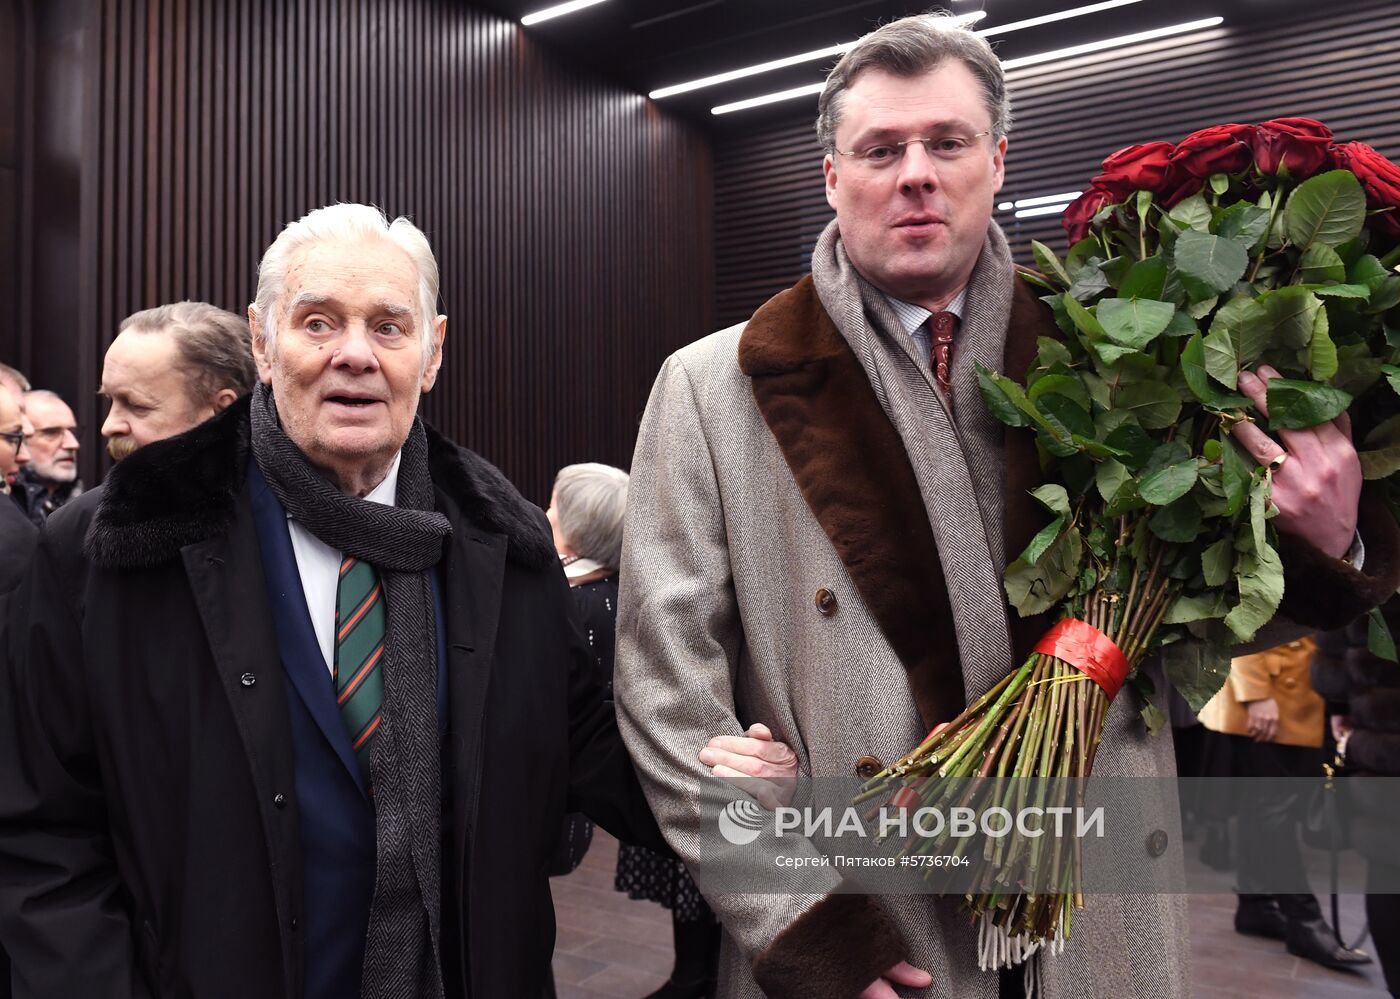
<point x="1301" y="144"/>
<point x="1082" y="211"/>
<point x="1218" y="149"/>
<point x="1380" y="178"/>
<point x="1180" y="186"/>
<point x="1143" y="167"/>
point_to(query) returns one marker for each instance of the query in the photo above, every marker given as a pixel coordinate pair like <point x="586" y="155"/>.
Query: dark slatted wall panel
<point x="1340" y="68"/>
<point x="571" y="219"/>
<point x="11" y="80"/>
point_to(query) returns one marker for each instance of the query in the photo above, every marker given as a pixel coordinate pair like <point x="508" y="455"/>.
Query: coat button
<point x="280" y="800"/>
<point x="868" y="766"/>
<point x="1288" y="682"/>
<point x="826" y="602"/>
<point x="1157" y="842"/>
<point x="247" y="679"/>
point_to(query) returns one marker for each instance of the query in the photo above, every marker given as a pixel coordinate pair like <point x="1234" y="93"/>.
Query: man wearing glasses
<point x="820" y="513"/>
<point x="17" y="535"/>
<point x="51" y="478"/>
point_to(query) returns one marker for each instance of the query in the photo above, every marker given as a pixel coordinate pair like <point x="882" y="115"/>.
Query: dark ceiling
<point x="646" y="44"/>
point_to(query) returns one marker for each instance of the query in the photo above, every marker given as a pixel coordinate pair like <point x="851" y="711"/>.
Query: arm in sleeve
<point x="680" y="639"/>
<point x="62" y="916"/>
<point x="1250" y="679"/>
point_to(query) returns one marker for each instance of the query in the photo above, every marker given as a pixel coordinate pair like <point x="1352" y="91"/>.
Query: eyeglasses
<point x="52" y="435"/>
<point x="948" y="148"/>
<point x="13" y="438"/>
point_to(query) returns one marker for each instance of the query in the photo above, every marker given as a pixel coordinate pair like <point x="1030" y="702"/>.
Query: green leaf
<point x="1065" y="385"/>
<point x="1196" y="607"/>
<point x="1349" y="291"/>
<point x="1051" y="352"/>
<point x="1329" y="208"/>
<point x="1236" y="474"/>
<point x="1090" y="281"/>
<point x="1219" y="182"/>
<point x="1178" y="522"/>
<point x="1146" y="279"/>
<point x="1134" y="322"/>
<point x="1296" y="405"/>
<point x="1292" y="313"/>
<point x="1379" y="640"/>
<point x="1247" y="323"/>
<point x="1217" y="561"/>
<point x="1243" y="223"/>
<point x="1192" y="213"/>
<point x="1322" y="352"/>
<point x="1209" y="265"/>
<point x="1132" y="443"/>
<point x="1053" y="497"/>
<point x="1033" y="589"/>
<point x="1065" y="417"/>
<point x="1259" y="491"/>
<point x="1169" y="474"/>
<point x="1004" y="398"/>
<point x="1392" y="375"/>
<point x="1321" y="264"/>
<point x="1196" y="669"/>
<point x="1261" y="590"/>
<point x="1049" y="263"/>
<point x="1155" y="405"/>
<point x="1082" y="317"/>
<point x="1153" y="718"/>
<point x="1381" y="459"/>
<point x="1042" y="541"/>
<point x="1194" y="372"/>
<point x="1221" y="360"/>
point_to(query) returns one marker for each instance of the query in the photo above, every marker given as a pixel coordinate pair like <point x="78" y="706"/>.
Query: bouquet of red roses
<point x="1240" y="246"/>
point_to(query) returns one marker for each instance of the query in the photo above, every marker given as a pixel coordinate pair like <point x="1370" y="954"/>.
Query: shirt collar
<point x="387" y="492"/>
<point x="911" y="317"/>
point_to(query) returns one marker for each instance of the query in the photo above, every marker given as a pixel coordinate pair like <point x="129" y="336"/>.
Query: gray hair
<point x="913" y="46"/>
<point x="14" y="375"/>
<point x="49" y="394"/>
<point x="589" y="501"/>
<point x="347" y="223"/>
<point x="214" y="344"/>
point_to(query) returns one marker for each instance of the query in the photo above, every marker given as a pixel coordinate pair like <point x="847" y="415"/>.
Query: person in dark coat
<point x="194" y="812"/>
<point x="17" y="534"/>
<point x="1363" y="693"/>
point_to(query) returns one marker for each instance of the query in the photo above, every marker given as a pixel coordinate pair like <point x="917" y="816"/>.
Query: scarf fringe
<point x="998" y="948"/>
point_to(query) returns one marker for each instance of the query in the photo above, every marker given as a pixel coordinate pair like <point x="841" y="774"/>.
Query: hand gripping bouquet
<point x="1242" y="245"/>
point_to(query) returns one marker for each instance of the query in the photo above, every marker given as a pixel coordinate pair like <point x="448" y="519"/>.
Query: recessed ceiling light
<point x="963" y="20"/>
<point x="1109" y="43"/>
<point x="1030" y="213"/>
<point x="559" y="10"/>
<point x="782" y="95"/>
<point x="1005" y="206"/>
<point x="1060" y="15"/>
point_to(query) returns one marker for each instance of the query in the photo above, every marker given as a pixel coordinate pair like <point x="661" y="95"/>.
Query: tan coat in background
<point x="1282" y="673"/>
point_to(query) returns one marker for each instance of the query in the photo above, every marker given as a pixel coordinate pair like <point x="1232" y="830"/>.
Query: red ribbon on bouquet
<point x="1088" y="650"/>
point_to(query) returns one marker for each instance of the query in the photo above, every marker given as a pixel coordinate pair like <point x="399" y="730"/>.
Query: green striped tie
<point x="359" y="652"/>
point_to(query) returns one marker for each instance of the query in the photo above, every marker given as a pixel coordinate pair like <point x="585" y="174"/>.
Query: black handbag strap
<point x="1334" y="849"/>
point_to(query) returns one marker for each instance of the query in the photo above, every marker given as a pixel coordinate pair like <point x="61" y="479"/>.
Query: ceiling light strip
<point x="963" y="20"/>
<point x="1060" y="15"/>
<point x="558" y="10"/>
<point x="1047" y="199"/>
<point x="1111" y="43"/>
<point x="782" y="95"/>
<point x="1030" y="213"/>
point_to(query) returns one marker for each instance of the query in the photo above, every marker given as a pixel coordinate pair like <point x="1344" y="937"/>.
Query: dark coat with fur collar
<point x="148" y="833"/>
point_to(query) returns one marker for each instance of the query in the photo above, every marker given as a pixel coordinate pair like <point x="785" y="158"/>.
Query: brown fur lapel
<point x="853" y="472"/>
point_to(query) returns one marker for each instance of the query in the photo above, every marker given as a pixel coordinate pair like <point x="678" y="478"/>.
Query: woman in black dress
<point x="586" y="511"/>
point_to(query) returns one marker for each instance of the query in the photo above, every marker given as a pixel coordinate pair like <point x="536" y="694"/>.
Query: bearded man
<point x="300" y="704"/>
<point x="820" y="512"/>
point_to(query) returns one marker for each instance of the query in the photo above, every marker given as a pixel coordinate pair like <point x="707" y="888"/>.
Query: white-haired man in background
<point x="269" y="697"/>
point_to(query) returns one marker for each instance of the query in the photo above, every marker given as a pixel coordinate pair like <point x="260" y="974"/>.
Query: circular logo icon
<point x="740" y="822"/>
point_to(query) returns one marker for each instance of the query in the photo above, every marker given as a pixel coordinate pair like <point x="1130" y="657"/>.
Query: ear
<point x="430" y="373"/>
<point x="829" y="172"/>
<point x="999" y="164"/>
<point x="225" y="398"/>
<point x="260" y="351"/>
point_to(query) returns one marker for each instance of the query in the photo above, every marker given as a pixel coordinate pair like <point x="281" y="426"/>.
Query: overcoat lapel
<point x="224" y="571"/>
<point x="853" y="472"/>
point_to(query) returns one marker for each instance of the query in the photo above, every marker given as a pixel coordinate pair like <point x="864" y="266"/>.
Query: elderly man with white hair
<point x="299" y="705"/>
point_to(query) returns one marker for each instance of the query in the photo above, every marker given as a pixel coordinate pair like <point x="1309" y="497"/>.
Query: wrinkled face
<point x="347" y="364"/>
<point x="914" y="227"/>
<point x="152" y="395"/>
<point x="53" y="448"/>
<point x="14" y="455"/>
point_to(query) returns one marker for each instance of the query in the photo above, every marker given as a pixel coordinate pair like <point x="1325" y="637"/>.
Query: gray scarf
<point x="403" y="542"/>
<point x="957" y="463"/>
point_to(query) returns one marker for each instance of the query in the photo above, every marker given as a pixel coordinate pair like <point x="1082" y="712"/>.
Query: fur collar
<point x="184" y="489"/>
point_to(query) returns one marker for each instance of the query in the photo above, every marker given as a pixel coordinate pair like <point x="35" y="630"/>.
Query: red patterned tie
<point x="942" y="325"/>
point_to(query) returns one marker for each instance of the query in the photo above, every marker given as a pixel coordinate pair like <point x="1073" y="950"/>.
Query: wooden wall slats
<point x="571" y="219"/>
<point x="769" y="202"/>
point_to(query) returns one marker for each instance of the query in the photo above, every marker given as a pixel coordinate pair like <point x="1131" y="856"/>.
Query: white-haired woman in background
<point x="586" y="512"/>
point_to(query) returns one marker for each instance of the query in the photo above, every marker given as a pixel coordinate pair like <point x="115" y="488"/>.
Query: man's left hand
<point x="1317" y="487"/>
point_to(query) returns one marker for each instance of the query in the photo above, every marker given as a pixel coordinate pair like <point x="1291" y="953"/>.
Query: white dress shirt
<point x="914" y="319"/>
<point x="318" y="564"/>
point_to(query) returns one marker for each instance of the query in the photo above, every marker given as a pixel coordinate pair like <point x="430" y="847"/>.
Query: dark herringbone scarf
<point x="403" y="542"/>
